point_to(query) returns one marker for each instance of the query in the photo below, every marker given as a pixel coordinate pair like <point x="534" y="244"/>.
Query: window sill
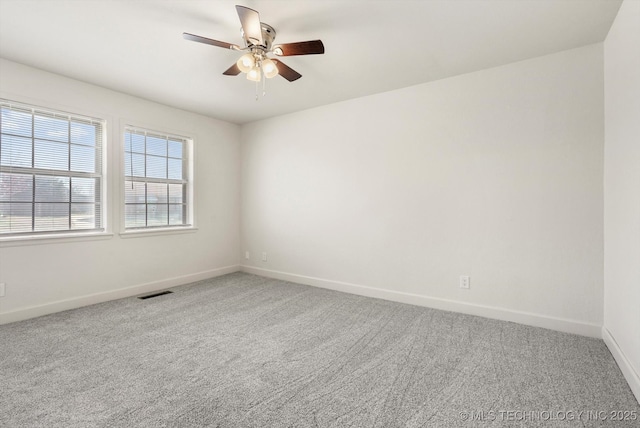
<point x="141" y="233"/>
<point x="15" y="241"/>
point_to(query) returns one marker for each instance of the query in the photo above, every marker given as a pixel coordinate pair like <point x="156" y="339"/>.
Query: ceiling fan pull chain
<point x="264" y="86"/>
<point x="256" y="91"/>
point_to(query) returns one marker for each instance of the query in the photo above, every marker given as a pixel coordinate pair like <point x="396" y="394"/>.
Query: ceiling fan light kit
<point x="254" y="74"/>
<point x="269" y="68"/>
<point x="246" y="63"/>
<point x="258" y="38"/>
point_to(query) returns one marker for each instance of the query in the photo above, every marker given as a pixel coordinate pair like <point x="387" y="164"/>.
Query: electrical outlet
<point x="2" y="289"/>
<point x="465" y="282"/>
<point x="247" y="255"/>
<point x="264" y="256"/>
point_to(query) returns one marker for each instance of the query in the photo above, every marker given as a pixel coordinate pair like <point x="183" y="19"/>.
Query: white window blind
<point x="156" y="179"/>
<point x="50" y="171"/>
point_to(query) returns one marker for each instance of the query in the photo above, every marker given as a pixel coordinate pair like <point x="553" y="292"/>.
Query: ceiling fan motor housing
<point x="268" y="36"/>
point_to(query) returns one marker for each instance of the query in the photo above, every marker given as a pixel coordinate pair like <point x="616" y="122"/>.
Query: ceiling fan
<point x="258" y="39"/>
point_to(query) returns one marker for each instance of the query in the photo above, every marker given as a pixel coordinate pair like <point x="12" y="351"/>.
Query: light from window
<point x="50" y="171"/>
<point x="156" y="187"/>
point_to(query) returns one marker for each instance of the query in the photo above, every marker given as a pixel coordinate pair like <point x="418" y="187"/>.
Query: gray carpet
<point x="246" y="351"/>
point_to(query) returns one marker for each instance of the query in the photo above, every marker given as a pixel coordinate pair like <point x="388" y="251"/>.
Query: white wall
<point x="48" y="276"/>
<point x="622" y="191"/>
<point x="495" y="174"/>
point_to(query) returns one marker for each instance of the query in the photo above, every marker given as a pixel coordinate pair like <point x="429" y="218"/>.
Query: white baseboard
<point x="632" y="377"/>
<point x="527" y="318"/>
<point x="77" y="302"/>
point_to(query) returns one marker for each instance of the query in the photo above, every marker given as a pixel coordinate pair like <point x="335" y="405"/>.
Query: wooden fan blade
<point x="312" y="47"/>
<point x="287" y="72"/>
<point x="232" y="71"/>
<point x="250" y="20"/>
<point x="212" y="42"/>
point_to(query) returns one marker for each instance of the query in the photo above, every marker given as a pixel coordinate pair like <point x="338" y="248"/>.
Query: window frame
<point x="33" y="107"/>
<point x="189" y="141"/>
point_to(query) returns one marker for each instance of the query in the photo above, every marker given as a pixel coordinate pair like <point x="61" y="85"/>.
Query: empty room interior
<point x="319" y="213"/>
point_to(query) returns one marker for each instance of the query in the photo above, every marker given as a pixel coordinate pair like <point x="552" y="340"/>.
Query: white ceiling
<point x="371" y="46"/>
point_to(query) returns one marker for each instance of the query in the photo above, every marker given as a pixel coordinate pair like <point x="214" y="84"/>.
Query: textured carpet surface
<point x="246" y="351"/>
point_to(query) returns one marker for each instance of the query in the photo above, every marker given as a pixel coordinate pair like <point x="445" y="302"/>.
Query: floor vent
<point x="162" y="293"/>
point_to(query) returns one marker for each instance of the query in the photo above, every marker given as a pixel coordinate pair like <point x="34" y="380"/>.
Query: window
<point x="50" y="171"/>
<point x="156" y="187"/>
